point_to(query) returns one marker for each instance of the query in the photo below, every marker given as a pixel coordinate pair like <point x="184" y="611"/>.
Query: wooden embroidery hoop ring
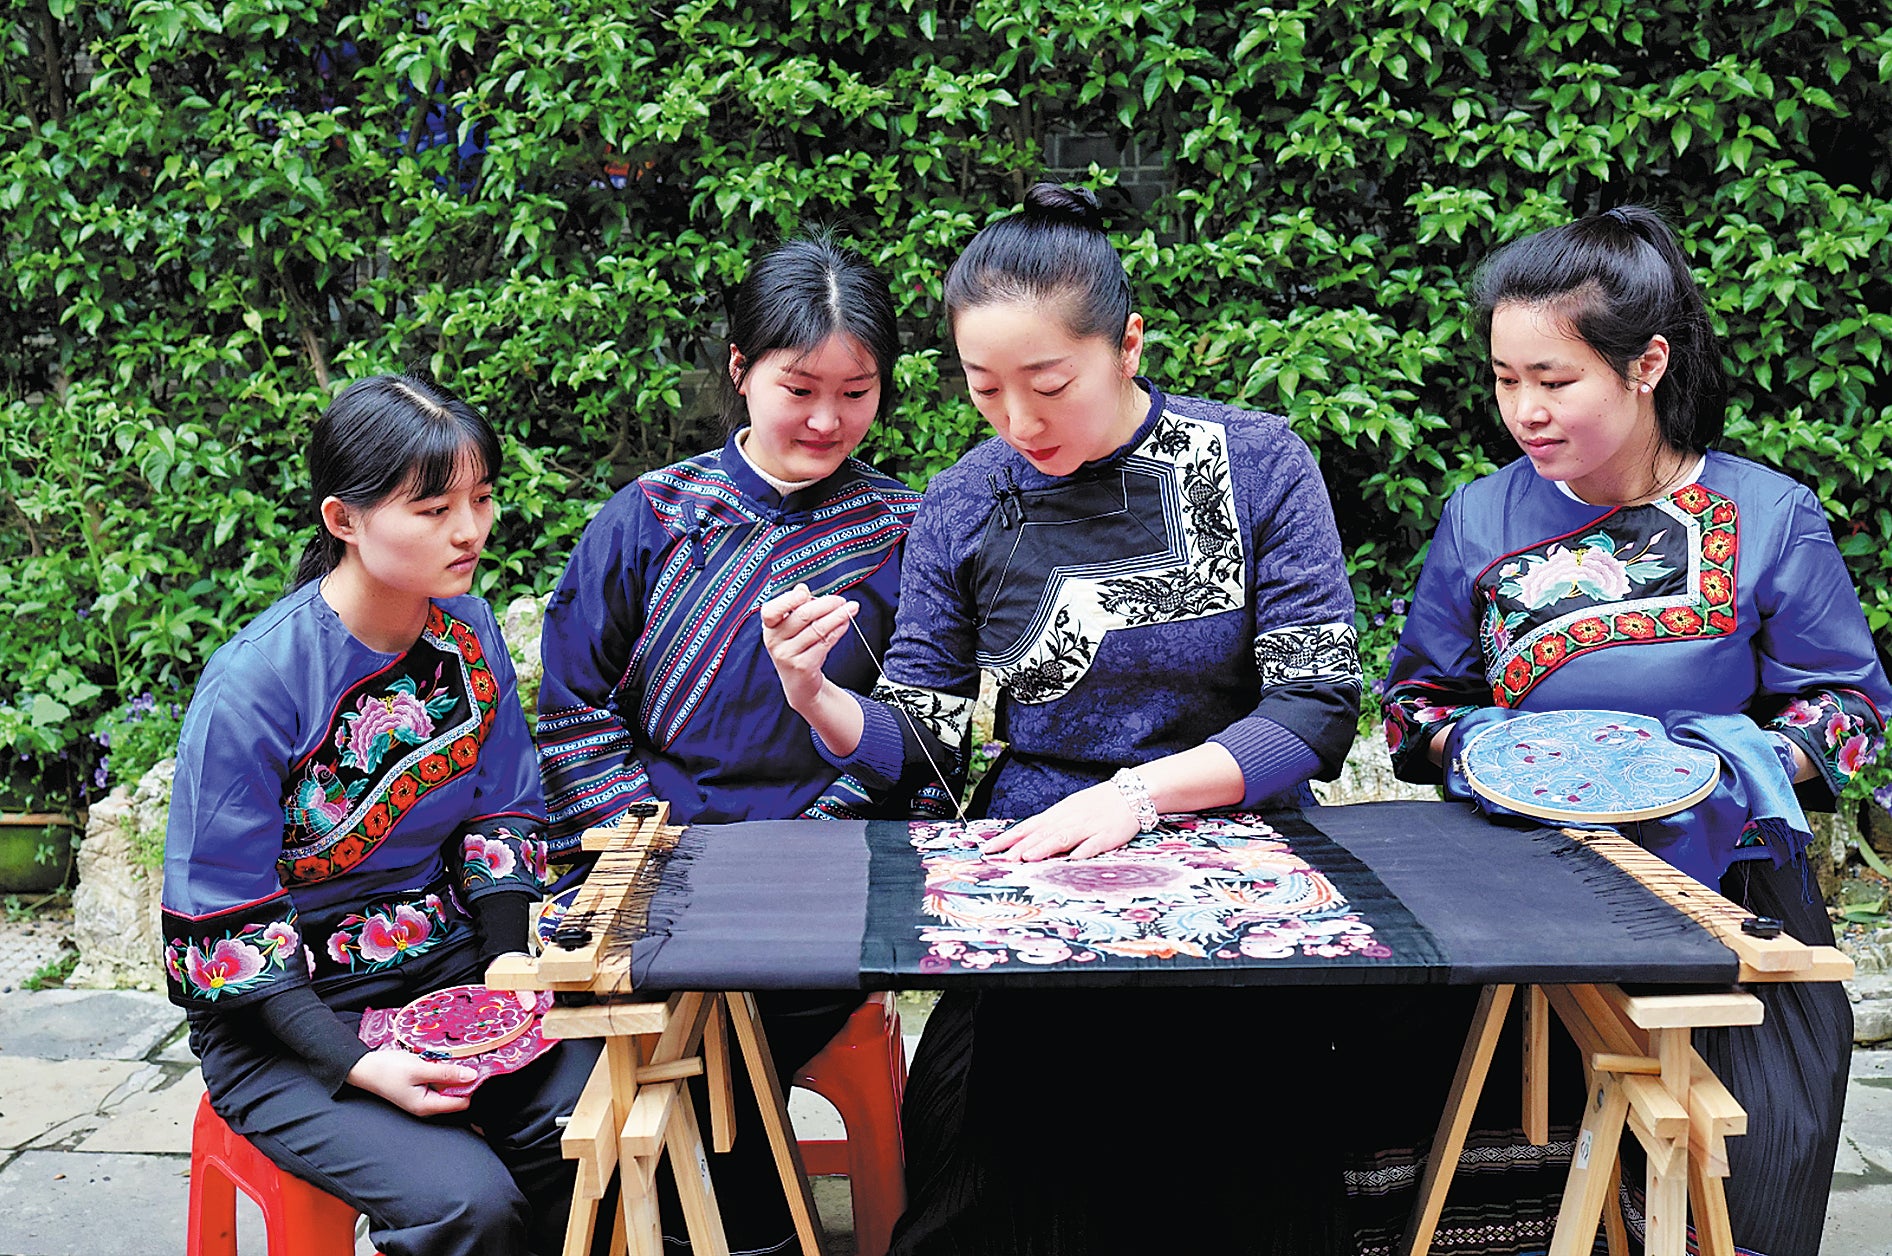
<point x="1507" y="797"/>
<point x="466" y="1050"/>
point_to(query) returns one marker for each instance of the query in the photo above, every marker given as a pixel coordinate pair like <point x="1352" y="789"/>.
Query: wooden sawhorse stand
<point x="636" y="1107"/>
<point x="1641" y="1072"/>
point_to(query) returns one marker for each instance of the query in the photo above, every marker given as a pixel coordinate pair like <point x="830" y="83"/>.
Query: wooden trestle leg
<point x="747" y="1022"/>
<point x="1467" y="1084"/>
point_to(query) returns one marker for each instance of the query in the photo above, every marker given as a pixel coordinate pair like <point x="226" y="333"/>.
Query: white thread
<point x="918" y="736"/>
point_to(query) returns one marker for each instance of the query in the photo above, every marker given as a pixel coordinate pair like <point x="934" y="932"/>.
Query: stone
<point x="78" y="1024"/>
<point x="60" y="1202"/>
<point x="151" y="1121"/>
<point x="521" y="626"/>
<point x="1834" y="835"/>
<point x="1871" y="951"/>
<point x="115" y="913"/>
<point x="1367" y="776"/>
<point x="1872" y="1022"/>
<point x="1869" y="1121"/>
<point x="37" y="1096"/>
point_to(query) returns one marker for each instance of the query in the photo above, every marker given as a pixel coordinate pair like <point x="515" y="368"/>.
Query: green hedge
<point x="213" y="214"/>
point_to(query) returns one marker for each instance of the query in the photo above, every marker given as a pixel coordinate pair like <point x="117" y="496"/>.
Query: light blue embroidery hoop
<point x="1587" y="767"/>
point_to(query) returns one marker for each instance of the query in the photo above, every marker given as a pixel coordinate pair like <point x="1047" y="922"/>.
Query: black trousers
<point x="488" y="1181"/>
<point x="1099" y="1122"/>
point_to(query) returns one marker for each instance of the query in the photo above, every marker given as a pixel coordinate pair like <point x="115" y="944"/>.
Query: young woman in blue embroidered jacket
<point x="1624" y="563"/>
<point x="356" y="821"/>
<point x="1156" y="583"/>
<point x="656" y="681"/>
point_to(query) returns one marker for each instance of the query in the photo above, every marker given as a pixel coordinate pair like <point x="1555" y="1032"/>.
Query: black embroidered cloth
<point x="1381" y="893"/>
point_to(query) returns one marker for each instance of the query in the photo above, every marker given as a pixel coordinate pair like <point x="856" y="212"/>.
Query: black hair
<point x="384" y="435"/>
<point x="1620" y="278"/>
<point x="800" y="293"/>
<point x="1053" y="251"/>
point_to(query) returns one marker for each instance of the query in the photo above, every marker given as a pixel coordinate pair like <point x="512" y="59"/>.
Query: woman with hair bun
<point x="356" y="821"/>
<point x="1156" y="583"/>
<point x="1626" y="564"/>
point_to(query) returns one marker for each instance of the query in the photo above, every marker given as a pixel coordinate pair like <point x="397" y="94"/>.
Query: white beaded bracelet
<point x="1137" y="794"/>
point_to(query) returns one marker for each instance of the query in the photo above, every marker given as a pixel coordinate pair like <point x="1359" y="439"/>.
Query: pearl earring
<point x="1646" y="387"/>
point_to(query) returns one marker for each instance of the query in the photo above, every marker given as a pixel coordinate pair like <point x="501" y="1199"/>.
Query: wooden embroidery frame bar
<point x="1642" y="1074"/>
<point x="635" y="1109"/>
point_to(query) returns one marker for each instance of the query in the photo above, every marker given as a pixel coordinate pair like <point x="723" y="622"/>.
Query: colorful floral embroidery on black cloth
<point x="495" y="853"/>
<point x="235" y="955"/>
<point x="1661" y="572"/>
<point x="1837" y="728"/>
<point x="1415" y="711"/>
<point x="1242" y="893"/>
<point x="389" y="933"/>
<point x="395" y="737"/>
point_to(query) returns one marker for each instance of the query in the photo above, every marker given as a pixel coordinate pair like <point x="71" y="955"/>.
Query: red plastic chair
<point x="299" y="1219"/>
<point x="863" y="1073"/>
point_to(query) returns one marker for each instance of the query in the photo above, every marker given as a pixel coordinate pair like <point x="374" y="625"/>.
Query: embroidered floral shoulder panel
<point x="1638" y="575"/>
<point x="1160" y="544"/>
<point x="394" y="738"/>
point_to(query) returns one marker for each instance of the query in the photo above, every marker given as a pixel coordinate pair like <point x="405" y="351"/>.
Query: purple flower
<point x="1399" y="606"/>
<point x="103" y="776"/>
<point x="1379" y="621"/>
<point x="84" y="614"/>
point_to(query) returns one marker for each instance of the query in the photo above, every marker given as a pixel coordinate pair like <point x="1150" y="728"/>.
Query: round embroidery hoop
<point x="1587" y="767"/>
<point x="462" y="1021"/>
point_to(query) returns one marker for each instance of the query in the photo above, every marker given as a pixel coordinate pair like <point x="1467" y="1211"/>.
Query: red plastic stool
<point x="863" y="1073"/>
<point x="299" y="1219"/>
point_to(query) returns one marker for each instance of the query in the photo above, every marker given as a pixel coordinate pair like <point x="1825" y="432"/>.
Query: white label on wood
<point x="1582" y="1159"/>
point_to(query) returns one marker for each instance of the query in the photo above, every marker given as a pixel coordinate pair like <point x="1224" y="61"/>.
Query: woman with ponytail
<point x="1622" y="526"/>
<point x="357" y="821"/>
<point x="1156" y="583"/>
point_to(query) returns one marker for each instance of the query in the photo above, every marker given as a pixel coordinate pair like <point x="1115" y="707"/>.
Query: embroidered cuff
<point x="1413" y="715"/>
<point x="1271" y="758"/>
<point x="1839" y="733"/>
<point x="233" y="957"/>
<point x="877" y="759"/>
<point x="501" y="854"/>
<point x="591" y="772"/>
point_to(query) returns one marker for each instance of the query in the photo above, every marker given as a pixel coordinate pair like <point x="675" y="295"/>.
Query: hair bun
<point x="1064" y="203"/>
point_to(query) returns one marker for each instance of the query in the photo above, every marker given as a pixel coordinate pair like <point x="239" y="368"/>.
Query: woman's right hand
<point x="407" y="1081"/>
<point x="799" y="629"/>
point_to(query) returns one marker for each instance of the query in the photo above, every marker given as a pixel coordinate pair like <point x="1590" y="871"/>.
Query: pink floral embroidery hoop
<point x="491" y="1031"/>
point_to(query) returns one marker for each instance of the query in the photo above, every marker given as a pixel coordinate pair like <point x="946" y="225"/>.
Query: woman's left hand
<point x="1089" y="822"/>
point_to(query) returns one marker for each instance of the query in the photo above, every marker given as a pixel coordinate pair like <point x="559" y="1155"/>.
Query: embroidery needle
<point x="918" y="736"/>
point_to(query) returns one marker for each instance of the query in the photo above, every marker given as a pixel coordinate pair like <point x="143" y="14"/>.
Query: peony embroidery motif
<point x="396" y="736"/>
<point x="400" y="717"/>
<point x="235" y="964"/>
<point x="387" y="934"/>
<point x="1593" y="568"/>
